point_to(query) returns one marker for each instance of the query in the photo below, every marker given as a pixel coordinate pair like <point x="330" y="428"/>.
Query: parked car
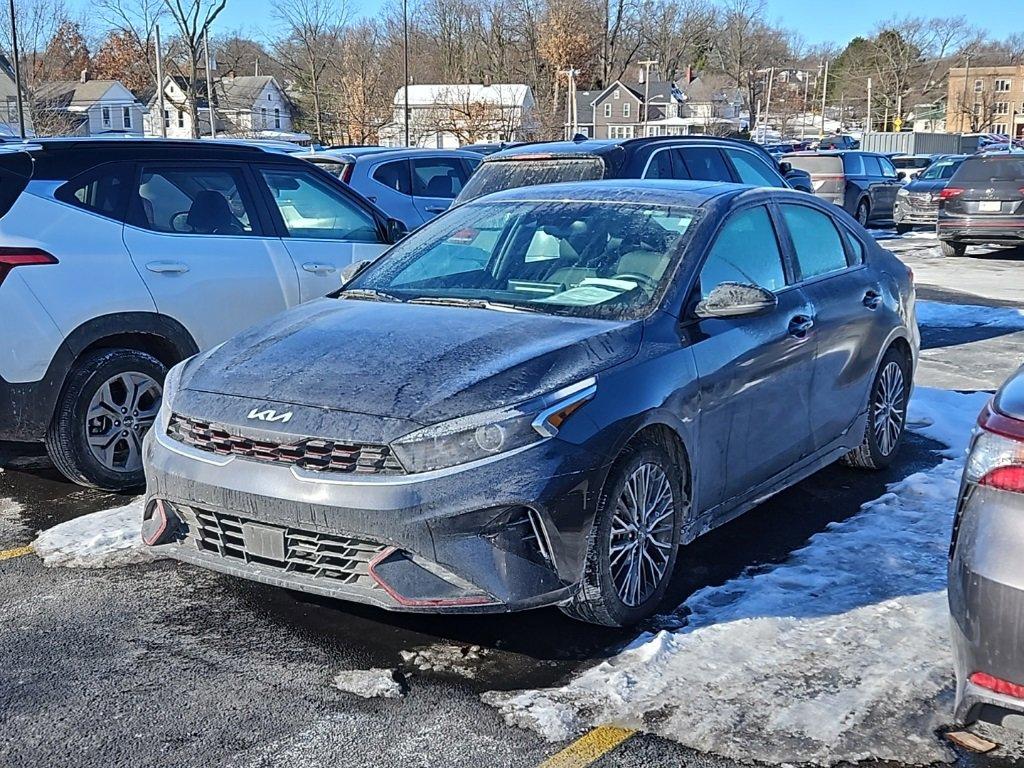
<point x="121" y="257"/>
<point x="912" y="165"/>
<point x="917" y="203"/>
<point x="864" y="184"/>
<point x="983" y="203"/>
<point x="412" y="185"/>
<point x="489" y="148"/>
<point x="536" y="398"/>
<point x="678" y="157"/>
<point x="986" y="572"/>
<point x="837" y="142"/>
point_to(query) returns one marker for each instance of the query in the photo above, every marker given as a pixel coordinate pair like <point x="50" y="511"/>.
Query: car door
<point x="322" y="224"/>
<point x="389" y="187"/>
<point x="890" y="185"/>
<point x="754" y="371"/>
<point x="877" y="188"/>
<point x="436" y="182"/>
<point x="847" y="296"/>
<point x="196" y="234"/>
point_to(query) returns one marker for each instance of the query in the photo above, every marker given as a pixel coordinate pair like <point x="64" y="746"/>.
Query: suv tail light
<point x="20" y="257"/>
<point x="950" y="192"/>
<point x="997" y="457"/>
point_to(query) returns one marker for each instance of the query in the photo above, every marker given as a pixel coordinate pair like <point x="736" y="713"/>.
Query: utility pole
<point x="605" y="68"/>
<point x="405" y="64"/>
<point x="571" y="116"/>
<point x="803" y="117"/>
<point x="768" y="105"/>
<point x="209" y="87"/>
<point x="824" y="91"/>
<point x="647" y="64"/>
<point x="17" y="72"/>
<point x="963" y="109"/>
<point x="867" y="126"/>
<point x="159" y="81"/>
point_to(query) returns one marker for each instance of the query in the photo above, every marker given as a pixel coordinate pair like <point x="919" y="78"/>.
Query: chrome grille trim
<point x="315" y="454"/>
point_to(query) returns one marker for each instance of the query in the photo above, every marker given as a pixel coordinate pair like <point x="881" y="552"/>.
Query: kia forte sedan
<point x="537" y="398"/>
<point x="986" y="572"/>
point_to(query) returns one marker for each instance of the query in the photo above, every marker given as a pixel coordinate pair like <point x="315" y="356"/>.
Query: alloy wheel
<point x="862" y="214"/>
<point x="889" y="407"/>
<point x="120" y="413"/>
<point x="640" y="542"/>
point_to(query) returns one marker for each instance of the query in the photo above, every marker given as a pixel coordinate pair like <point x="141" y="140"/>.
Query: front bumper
<point x="915" y="211"/>
<point x="505" y="534"/>
<point x="986" y="598"/>
<point x="964" y="229"/>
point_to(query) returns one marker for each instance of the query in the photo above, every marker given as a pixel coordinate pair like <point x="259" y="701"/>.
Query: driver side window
<point x="745" y="251"/>
<point x="192" y="200"/>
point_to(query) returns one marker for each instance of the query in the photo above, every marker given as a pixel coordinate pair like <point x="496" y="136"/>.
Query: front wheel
<point x="902" y="229"/>
<point x="108" y="404"/>
<point x="863" y="213"/>
<point x="887" y="414"/>
<point x="634" y="542"/>
<point x="949" y="248"/>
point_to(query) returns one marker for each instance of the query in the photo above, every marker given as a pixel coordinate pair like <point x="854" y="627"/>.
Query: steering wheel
<point x="647" y="282"/>
<point x="182" y="225"/>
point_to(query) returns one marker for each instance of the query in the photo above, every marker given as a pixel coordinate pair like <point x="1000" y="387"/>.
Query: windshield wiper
<point x="452" y="301"/>
<point x="368" y="294"/>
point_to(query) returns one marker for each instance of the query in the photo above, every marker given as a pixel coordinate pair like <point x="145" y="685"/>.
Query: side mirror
<point x="736" y="300"/>
<point x="901" y="175"/>
<point x="396" y="230"/>
<point x="785" y="167"/>
<point x="349" y="273"/>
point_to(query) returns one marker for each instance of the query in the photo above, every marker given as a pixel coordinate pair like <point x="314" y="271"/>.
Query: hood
<point x="414" y="362"/>
<point x="1009" y="399"/>
<point x="926" y="185"/>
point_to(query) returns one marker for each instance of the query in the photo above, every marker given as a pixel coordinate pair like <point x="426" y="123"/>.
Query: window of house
<point x="1000" y="128"/>
<point x="167" y="118"/>
<point x="607" y="110"/>
<point x="978" y="86"/>
<point x="620" y="131"/>
<point x="181" y="119"/>
<point x="105" y="112"/>
<point x="625" y="109"/>
<point x="616" y="94"/>
<point x="277" y="118"/>
<point x="263" y="117"/>
<point x="126" y="116"/>
<point x="1001" y="108"/>
<point x="1002" y="85"/>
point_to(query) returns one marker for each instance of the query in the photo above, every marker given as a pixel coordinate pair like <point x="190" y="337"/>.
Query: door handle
<point x="436" y="208"/>
<point x="319" y="269"/>
<point x="167" y="267"/>
<point x="872" y="299"/>
<point x="800" y="325"/>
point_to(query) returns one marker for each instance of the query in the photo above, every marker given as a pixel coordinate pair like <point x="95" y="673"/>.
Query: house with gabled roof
<point x="86" y="107"/>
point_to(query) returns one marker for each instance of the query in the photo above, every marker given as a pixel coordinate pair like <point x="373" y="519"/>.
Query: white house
<point x="450" y="115"/>
<point x="251" y="107"/>
<point x="87" y="107"/>
<point x="9" y="125"/>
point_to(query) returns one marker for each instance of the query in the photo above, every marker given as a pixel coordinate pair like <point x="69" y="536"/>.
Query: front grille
<point x="309" y="453"/>
<point x="328" y="556"/>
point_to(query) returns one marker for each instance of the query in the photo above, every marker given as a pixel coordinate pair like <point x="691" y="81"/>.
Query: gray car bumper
<point x="505" y="534"/>
<point x="986" y="599"/>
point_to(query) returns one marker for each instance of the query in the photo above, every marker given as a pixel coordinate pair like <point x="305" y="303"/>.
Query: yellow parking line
<point x="588" y="748"/>
<point x="9" y="554"/>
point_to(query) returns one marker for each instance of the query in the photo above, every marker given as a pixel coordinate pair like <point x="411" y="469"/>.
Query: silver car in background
<point x="986" y="567"/>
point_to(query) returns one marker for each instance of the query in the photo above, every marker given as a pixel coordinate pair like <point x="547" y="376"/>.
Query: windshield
<point x="943" y="169"/>
<point x="590" y="259"/>
<point x="496" y="175"/>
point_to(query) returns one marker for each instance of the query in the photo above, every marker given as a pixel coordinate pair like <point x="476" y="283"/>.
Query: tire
<point x="599" y="598"/>
<point x="949" y="248"/>
<point x="863" y="213"/>
<point x="902" y="229"/>
<point x="103" y="383"/>
<point x="879" y="445"/>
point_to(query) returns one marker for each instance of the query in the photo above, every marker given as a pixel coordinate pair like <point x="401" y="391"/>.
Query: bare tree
<point x="193" y="19"/>
<point x="134" y="23"/>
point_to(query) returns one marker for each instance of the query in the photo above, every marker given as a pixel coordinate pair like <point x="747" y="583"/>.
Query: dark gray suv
<point x="537" y="398"/>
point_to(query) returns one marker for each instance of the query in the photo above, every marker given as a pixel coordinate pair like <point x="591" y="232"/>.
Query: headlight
<point x="171" y="382"/>
<point x="491" y="433"/>
<point x="902" y="193"/>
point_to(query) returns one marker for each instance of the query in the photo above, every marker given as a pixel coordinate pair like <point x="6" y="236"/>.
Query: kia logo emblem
<point x="269" y="414"/>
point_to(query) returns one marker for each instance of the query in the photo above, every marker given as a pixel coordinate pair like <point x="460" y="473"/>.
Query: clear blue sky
<point x="815" y="20"/>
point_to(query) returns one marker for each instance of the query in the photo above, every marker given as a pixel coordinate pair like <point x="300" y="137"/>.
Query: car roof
<point x="604" y="146"/>
<point x="350" y="154"/>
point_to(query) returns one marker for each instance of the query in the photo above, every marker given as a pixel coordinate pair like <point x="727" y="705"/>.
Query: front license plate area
<point x="263" y="541"/>
<point x="990" y="206"/>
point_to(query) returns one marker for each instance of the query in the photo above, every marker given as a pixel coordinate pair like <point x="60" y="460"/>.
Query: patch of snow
<point x="841" y="653"/>
<point x="461" y="660"/>
<point x="103" y="539"/>
<point x="369" y="683"/>
<point x="940" y="315"/>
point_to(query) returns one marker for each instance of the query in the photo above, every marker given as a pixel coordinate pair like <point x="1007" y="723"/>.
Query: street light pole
<point x="17" y="72"/>
<point x="209" y="87"/>
<point x="405" y="57"/>
<point x="159" y="83"/>
<point x="647" y="64"/>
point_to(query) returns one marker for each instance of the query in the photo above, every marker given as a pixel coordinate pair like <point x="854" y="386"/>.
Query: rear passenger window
<point x="745" y="251"/>
<point x="706" y="164"/>
<point x="102" y="190"/>
<point x="394" y="175"/>
<point x="815" y="240"/>
<point x="438" y="177"/>
<point x="660" y="166"/>
<point x="853" y="165"/>
<point x="871" y="166"/>
<point x="192" y="199"/>
<point x="752" y="170"/>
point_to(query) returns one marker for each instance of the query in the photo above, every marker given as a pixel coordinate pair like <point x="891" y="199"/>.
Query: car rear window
<point x="331" y="166"/>
<point x="816" y="164"/>
<point x="496" y="175"/>
<point x="987" y="169"/>
<point x="15" y="172"/>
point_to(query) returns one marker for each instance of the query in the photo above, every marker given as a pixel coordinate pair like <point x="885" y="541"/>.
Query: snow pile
<point x="461" y="660"/>
<point x="103" y="539"/>
<point x="369" y="683"/>
<point x="840" y="654"/>
<point x="940" y="315"/>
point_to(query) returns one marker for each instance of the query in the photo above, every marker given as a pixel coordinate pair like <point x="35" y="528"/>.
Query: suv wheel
<point x="634" y="542"/>
<point x="902" y="229"/>
<point x="863" y="212"/>
<point x="952" y="249"/>
<point x="887" y="414"/>
<point x="108" y="404"/>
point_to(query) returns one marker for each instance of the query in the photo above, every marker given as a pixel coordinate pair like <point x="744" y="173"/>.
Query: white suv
<point x="118" y="258"/>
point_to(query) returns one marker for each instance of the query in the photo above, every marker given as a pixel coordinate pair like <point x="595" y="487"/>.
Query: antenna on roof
<point x="578" y="138"/>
